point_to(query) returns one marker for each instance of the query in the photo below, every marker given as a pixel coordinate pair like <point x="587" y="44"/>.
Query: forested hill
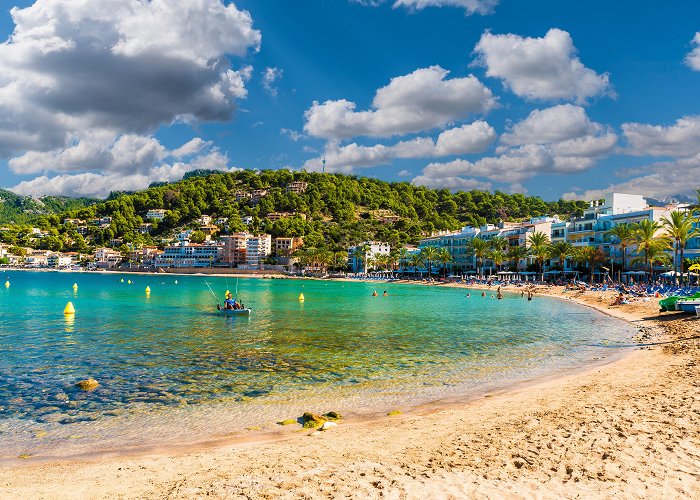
<point x="26" y="210"/>
<point x="339" y="209"/>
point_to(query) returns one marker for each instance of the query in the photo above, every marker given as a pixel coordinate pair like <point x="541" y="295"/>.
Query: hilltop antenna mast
<point x="323" y="169"/>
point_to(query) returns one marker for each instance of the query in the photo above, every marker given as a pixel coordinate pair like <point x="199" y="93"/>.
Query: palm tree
<point x="624" y="234"/>
<point x="340" y="260"/>
<point x="499" y="243"/>
<point x="416" y="260"/>
<point x="498" y="257"/>
<point x="655" y="253"/>
<point x="302" y="256"/>
<point x="430" y="254"/>
<point x="648" y="243"/>
<point x="360" y="255"/>
<point x="591" y="256"/>
<point x="445" y="257"/>
<point x="561" y="250"/>
<point x="539" y="248"/>
<point x="679" y="228"/>
<point x="478" y="248"/>
<point x="403" y="258"/>
<point x="516" y="254"/>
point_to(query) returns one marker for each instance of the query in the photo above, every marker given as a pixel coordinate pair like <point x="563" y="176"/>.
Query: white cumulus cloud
<point x="469" y="138"/>
<point x="546" y="68"/>
<point x="692" y="59"/>
<point x="131" y="163"/>
<point x="84" y="84"/>
<point x="422" y="100"/>
<point x="679" y="140"/>
<point x="270" y="76"/>
<point x="560" y="139"/>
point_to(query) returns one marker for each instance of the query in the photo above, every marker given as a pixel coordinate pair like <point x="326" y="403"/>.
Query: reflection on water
<point x="169" y="359"/>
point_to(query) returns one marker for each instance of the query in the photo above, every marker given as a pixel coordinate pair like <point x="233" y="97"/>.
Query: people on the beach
<point x="483" y="294"/>
<point x="374" y="293"/>
<point x="385" y="294"/>
<point x="619" y="300"/>
<point x="530" y="294"/>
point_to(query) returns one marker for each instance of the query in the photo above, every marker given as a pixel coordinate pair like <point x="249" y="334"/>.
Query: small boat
<point x="235" y="312"/>
<point x="688" y="305"/>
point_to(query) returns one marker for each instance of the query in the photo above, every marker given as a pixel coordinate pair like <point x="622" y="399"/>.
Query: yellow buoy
<point x="7" y="284"/>
<point x="121" y="280"/>
<point x="69" y="308"/>
<point x="129" y="282"/>
<point x="301" y="297"/>
<point x="148" y="289"/>
<point x="75" y="286"/>
<point x="227" y="292"/>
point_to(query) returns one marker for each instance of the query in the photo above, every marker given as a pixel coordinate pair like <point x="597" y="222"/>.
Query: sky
<point x="540" y="97"/>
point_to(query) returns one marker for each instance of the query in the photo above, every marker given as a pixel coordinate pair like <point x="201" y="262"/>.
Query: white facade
<point x="185" y="255"/>
<point x="257" y="248"/>
<point x="156" y="214"/>
<point x="247" y="219"/>
<point x="59" y="260"/>
<point x="374" y="248"/>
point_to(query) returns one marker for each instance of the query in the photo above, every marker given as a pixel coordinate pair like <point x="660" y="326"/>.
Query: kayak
<point x="235" y="312"/>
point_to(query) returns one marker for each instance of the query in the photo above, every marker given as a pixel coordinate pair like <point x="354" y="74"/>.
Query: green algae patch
<point x="289" y="421"/>
<point x="332" y="415"/>
<point x="256" y="427"/>
<point x="25" y="455"/>
<point x="312" y="421"/>
<point x="393" y="413"/>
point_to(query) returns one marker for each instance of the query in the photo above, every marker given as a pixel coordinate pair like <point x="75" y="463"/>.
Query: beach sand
<point x="630" y="428"/>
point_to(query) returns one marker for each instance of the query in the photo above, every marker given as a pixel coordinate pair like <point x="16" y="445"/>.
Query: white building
<point x="247" y="219"/>
<point x="156" y="214"/>
<point x="257" y="248"/>
<point x="190" y="255"/>
<point x="374" y="248"/>
<point x="106" y="258"/>
<point x="59" y="260"/>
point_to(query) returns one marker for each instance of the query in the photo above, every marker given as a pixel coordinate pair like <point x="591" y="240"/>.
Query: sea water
<point x="172" y="370"/>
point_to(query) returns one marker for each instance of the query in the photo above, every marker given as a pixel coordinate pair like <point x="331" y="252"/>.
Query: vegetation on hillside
<point x="340" y="210"/>
<point x="16" y="209"/>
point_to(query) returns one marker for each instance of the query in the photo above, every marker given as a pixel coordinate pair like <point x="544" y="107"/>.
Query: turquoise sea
<point x="174" y="371"/>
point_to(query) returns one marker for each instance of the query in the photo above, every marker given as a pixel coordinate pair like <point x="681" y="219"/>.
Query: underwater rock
<point x="88" y="385"/>
<point x="289" y="421"/>
<point x="310" y="420"/>
<point x="333" y="415"/>
<point x="328" y="425"/>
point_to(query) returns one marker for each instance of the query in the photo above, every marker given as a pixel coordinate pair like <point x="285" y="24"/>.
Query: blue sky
<point x="547" y="98"/>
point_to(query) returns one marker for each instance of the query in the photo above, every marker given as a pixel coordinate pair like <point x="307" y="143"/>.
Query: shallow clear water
<point x="173" y="370"/>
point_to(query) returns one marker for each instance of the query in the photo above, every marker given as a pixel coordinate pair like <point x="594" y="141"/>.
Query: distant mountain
<point x="671" y="200"/>
<point x="19" y="209"/>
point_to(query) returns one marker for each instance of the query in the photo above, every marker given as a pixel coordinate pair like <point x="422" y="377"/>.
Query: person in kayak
<point x="230" y="303"/>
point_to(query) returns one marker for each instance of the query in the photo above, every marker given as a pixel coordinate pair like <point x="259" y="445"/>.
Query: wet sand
<point x="629" y="428"/>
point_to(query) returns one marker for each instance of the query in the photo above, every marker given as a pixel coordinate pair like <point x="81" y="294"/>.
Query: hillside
<point x="333" y="210"/>
<point x="16" y="209"/>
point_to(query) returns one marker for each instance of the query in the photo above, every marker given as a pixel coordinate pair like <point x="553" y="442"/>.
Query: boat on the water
<point x="688" y="305"/>
<point x="235" y="312"/>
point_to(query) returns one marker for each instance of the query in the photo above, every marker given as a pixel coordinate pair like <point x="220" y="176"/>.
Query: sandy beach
<point x="630" y="428"/>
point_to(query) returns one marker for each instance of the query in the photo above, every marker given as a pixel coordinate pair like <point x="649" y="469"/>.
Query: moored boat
<point x="688" y="305"/>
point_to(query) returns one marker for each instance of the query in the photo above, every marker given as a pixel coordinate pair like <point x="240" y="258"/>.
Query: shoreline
<point x="15" y="479"/>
